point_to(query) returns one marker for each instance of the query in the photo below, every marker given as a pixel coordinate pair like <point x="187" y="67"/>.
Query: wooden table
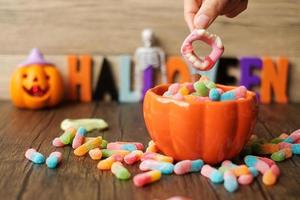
<point x="78" y="178"/>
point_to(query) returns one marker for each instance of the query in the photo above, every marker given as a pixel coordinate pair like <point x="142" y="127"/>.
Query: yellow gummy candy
<point x="107" y="163"/>
<point x="92" y="144"/>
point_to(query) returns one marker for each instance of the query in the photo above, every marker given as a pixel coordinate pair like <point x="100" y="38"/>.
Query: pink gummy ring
<point x="213" y="40"/>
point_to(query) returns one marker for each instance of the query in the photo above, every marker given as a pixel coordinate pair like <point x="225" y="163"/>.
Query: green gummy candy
<point x="210" y="85"/>
<point x="67" y="137"/>
<point x="104" y="144"/>
<point x="223" y="169"/>
<point x="88" y="124"/>
<point x="107" y="152"/>
<point x="278" y="156"/>
<point x="277" y="140"/>
<point x="201" y="89"/>
<point x="123" y="174"/>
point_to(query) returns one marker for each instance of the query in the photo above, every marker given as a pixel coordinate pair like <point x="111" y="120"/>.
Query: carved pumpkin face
<point x="36" y="86"/>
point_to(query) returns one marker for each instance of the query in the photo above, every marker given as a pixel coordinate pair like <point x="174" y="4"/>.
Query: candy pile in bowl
<point x="204" y="90"/>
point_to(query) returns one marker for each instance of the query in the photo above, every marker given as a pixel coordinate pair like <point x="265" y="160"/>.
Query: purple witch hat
<point x="34" y="57"/>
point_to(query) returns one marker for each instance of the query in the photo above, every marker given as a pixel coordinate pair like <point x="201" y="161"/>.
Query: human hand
<point x="201" y="13"/>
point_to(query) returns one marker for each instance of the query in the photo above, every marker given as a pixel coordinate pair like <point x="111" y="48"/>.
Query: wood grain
<point x="113" y="27"/>
<point x="78" y="178"/>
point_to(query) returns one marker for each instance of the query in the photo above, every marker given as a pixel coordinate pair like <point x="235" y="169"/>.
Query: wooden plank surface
<point x="78" y="178"/>
<point x="110" y="28"/>
<point x="113" y="27"/>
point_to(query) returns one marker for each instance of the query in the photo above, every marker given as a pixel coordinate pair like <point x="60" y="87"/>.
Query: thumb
<point x="207" y="13"/>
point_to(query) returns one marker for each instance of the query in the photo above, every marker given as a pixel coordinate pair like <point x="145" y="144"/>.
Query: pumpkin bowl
<point x="211" y="131"/>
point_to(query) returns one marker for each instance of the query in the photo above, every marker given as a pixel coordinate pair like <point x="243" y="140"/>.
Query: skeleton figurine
<point x="148" y="56"/>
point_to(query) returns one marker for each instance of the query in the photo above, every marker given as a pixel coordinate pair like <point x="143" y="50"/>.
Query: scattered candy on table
<point x="107" y="163"/>
<point x="270" y="176"/>
<point x="227" y="164"/>
<point x="156" y="156"/>
<point x="267" y="148"/>
<point x="282" y="154"/>
<point x="146" y="178"/>
<point x="129" y="146"/>
<point x="280" y="138"/>
<point x="163" y="167"/>
<point x="187" y="166"/>
<point x="86" y="139"/>
<point x="79" y="137"/>
<point x="156" y="164"/>
<point x="267" y="160"/>
<point x="95" y="154"/>
<point x="68" y="135"/>
<point x="241" y="170"/>
<point x="230" y="181"/>
<point x="88" y="124"/>
<point x="265" y="166"/>
<point x="254" y="161"/>
<point x="133" y="157"/>
<point x="57" y="142"/>
<point x="279" y="148"/>
<point x="245" y="179"/>
<point x="34" y="156"/>
<point x="152" y="147"/>
<point x="120" y="171"/>
<point x="108" y="152"/>
<point x="54" y="159"/>
<point x="296" y="148"/>
<point x="253" y="171"/>
<point x="103" y="143"/>
<point x="293" y="137"/>
<point x="213" y="174"/>
<point x="83" y="149"/>
<point x="282" y="145"/>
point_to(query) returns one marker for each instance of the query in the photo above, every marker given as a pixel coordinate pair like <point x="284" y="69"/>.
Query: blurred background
<point x="113" y="27"/>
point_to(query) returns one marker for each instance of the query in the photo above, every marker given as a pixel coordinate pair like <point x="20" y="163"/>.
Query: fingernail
<point x="202" y="21"/>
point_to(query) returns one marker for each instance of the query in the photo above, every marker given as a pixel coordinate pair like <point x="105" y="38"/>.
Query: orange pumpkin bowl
<point x="212" y="131"/>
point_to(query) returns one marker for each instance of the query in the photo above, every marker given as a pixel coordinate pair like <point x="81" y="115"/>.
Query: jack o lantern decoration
<point x="36" y="83"/>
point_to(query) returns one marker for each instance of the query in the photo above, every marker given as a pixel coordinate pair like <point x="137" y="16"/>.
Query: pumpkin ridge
<point x="171" y="136"/>
<point x="230" y="149"/>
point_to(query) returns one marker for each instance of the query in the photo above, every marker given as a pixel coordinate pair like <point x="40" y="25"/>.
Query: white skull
<point x="148" y="37"/>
